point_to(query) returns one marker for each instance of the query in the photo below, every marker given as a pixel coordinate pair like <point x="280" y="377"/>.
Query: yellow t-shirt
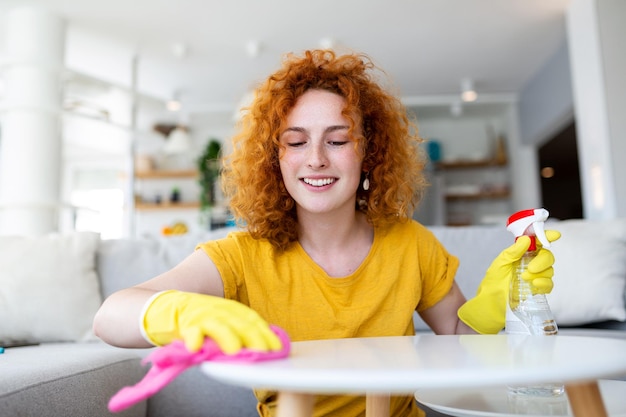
<point x="407" y="269"/>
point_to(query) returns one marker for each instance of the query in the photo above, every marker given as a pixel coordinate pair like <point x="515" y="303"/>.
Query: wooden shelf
<point x="471" y="164"/>
<point x="479" y="196"/>
<point x="164" y="174"/>
<point x="183" y="205"/>
<point x="458" y="224"/>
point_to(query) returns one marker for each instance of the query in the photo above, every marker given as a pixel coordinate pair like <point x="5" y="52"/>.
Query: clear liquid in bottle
<point x="531" y="315"/>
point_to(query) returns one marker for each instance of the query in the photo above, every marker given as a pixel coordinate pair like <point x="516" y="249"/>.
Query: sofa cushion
<point x="476" y="247"/>
<point x="67" y="379"/>
<point x="589" y="271"/>
<point x="123" y="263"/>
<point x="49" y="289"/>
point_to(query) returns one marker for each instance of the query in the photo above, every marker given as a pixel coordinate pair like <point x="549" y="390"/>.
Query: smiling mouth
<point x="319" y="182"/>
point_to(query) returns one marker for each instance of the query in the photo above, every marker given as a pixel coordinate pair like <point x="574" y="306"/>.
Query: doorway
<point x="560" y="176"/>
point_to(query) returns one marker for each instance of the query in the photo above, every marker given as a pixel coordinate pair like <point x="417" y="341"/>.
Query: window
<point x="97" y="199"/>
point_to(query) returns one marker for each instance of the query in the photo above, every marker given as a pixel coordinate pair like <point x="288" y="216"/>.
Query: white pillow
<point x="48" y="287"/>
<point x="589" y="271"/>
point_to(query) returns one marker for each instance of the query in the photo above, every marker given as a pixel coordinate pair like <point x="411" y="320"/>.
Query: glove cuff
<point x="482" y="316"/>
<point x="144" y="312"/>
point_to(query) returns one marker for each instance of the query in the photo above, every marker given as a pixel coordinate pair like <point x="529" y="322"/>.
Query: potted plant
<point x="209" y="171"/>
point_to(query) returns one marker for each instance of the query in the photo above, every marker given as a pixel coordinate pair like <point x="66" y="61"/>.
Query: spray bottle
<point x="529" y="314"/>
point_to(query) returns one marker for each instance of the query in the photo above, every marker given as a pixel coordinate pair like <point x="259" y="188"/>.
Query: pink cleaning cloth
<point x="172" y="360"/>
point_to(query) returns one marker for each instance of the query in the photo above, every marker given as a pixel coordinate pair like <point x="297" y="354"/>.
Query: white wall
<point x="612" y="17"/>
<point x="546" y="104"/>
<point x="525" y="175"/>
<point x="585" y="81"/>
<point x="596" y="32"/>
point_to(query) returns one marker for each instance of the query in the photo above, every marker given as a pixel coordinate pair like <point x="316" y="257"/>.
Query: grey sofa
<point x="78" y="375"/>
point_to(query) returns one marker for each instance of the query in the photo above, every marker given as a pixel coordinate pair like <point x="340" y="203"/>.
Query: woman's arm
<point x="117" y="320"/>
<point x="442" y="317"/>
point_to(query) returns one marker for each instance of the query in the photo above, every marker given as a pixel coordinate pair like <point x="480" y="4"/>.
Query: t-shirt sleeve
<point x="228" y="256"/>
<point x="438" y="269"/>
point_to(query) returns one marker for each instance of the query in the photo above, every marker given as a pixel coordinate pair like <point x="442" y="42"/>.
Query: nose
<point x="316" y="157"/>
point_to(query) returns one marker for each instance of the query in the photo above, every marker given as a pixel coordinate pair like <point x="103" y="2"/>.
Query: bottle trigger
<point x="541" y="234"/>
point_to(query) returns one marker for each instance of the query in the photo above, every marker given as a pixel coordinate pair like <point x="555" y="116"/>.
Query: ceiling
<point x="425" y="46"/>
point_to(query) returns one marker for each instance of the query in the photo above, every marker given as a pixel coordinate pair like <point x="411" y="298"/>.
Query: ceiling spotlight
<point x="173" y="104"/>
<point x="468" y="92"/>
<point x="180" y="50"/>
<point x="327" y="43"/>
<point x="253" y="48"/>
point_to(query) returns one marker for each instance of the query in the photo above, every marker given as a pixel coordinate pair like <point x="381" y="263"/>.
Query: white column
<point x="596" y="32"/>
<point x="30" y="142"/>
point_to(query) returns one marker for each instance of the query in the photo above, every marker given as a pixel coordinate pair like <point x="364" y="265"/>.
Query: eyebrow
<point x="329" y="129"/>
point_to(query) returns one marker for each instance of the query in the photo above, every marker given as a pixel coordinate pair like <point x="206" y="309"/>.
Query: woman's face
<point x="319" y="162"/>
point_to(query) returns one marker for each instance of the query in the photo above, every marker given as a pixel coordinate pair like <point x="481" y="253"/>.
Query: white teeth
<point x="320" y="182"/>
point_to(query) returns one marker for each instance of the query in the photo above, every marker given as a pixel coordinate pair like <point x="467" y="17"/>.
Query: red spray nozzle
<point x="530" y="223"/>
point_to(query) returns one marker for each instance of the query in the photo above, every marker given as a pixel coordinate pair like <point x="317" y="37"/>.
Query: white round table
<point x="380" y="366"/>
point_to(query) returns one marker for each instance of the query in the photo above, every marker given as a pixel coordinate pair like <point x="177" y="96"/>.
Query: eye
<point x="293" y="139"/>
<point x="338" y="141"/>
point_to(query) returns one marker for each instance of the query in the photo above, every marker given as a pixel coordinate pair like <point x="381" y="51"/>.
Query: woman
<point x="325" y="173"/>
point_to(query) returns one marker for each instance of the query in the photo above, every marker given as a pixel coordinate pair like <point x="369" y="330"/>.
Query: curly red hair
<point x="389" y="142"/>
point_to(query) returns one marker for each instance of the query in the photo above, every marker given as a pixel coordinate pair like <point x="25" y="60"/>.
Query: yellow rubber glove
<point x="486" y="312"/>
<point x="172" y="315"/>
